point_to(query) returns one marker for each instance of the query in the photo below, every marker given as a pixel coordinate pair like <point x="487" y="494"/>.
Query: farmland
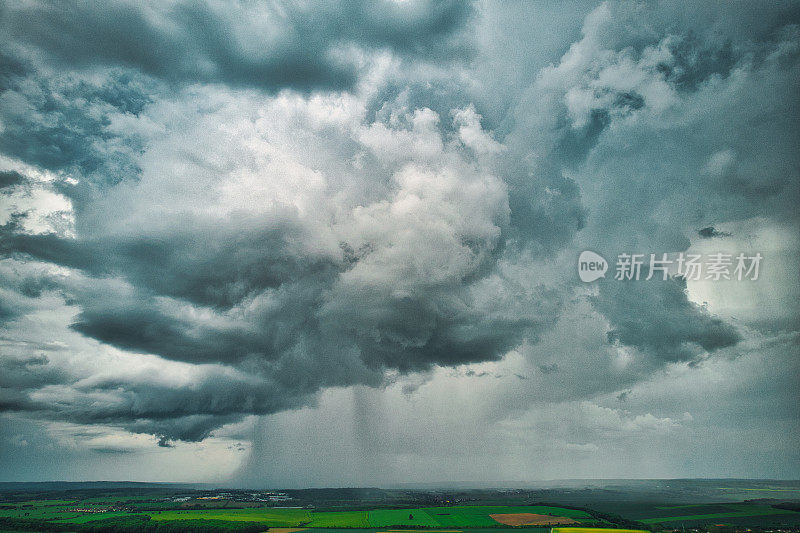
<point x="430" y="517"/>
<point x="380" y="511"/>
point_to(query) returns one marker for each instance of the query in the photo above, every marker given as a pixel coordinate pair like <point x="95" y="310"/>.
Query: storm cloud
<point x="212" y="211"/>
<point x="271" y="45"/>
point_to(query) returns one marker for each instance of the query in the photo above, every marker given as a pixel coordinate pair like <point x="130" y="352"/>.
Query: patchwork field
<point x="432" y="517"/>
<point x="223" y="514"/>
<point x="170" y="510"/>
<point x="291" y="520"/>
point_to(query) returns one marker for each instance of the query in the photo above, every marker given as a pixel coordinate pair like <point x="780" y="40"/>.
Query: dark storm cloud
<point x="10" y="178"/>
<point x="28" y="373"/>
<point x="137" y="322"/>
<point x="172" y="412"/>
<point x="256" y="292"/>
<point x="710" y="232"/>
<point x="168" y="407"/>
<point x="137" y="325"/>
<point x="268" y="45"/>
<point x="47" y="247"/>
<point x="437" y="326"/>
<point x="657" y="317"/>
<point x="235" y="258"/>
<point x="21" y="376"/>
<point x="7" y="312"/>
<point x="16" y="291"/>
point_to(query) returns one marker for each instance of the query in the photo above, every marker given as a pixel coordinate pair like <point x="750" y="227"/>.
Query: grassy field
<point x="462" y="516"/>
<point x="340" y="519"/>
<point x="448" y="518"/>
<point x="379" y="511"/>
<point x="269" y="517"/>
<point x="84" y="518"/>
<point x="467" y="518"/>
<point x="433" y="517"/>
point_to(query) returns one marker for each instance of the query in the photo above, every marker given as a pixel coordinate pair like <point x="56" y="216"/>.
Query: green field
<point x="340" y="519"/>
<point x="451" y="517"/>
<point x="351" y="510"/>
<point x="266" y="516"/>
<point x="467" y="518"/>
<point x="396" y="517"/>
<point x="433" y="517"/>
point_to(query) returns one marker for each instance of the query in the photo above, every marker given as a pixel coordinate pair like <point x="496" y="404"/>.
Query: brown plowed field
<point x="531" y="519"/>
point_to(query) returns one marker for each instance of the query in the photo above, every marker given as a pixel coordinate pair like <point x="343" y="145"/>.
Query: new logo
<point x="591" y="266"/>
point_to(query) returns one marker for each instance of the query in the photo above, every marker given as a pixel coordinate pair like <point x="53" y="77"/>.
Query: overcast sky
<point x="279" y="243"/>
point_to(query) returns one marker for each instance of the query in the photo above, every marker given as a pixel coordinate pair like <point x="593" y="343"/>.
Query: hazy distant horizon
<point x="444" y="485"/>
